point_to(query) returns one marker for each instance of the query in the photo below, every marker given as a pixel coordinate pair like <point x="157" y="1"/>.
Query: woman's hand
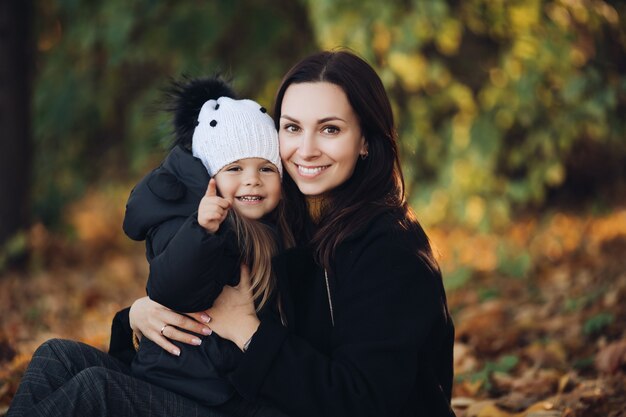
<point x="158" y="323"/>
<point x="233" y="316"/>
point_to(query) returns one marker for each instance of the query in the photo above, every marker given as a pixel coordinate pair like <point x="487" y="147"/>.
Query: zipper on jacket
<point x="330" y="301"/>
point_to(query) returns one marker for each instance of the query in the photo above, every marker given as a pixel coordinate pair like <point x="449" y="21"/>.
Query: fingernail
<point x="205" y="318"/>
<point x="176" y="352"/>
<point x="206" y="331"/>
<point x="196" y="341"/>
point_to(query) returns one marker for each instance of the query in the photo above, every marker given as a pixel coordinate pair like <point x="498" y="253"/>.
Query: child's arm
<point x="203" y="256"/>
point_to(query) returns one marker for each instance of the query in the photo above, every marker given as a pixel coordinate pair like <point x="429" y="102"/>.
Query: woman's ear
<point x="364" y="149"/>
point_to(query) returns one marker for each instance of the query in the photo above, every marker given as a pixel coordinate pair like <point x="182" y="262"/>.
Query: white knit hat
<point x="229" y="130"/>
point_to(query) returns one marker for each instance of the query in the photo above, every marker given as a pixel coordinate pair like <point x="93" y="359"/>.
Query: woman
<point x="367" y="327"/>
<point x="363" y="327"/>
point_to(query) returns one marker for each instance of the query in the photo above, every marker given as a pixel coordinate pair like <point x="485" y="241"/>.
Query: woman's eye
<point x="291" y="128"/>
<point x="331" y="130"/>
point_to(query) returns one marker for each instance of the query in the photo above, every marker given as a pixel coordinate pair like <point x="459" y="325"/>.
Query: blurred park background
<point x="511" y="117"/>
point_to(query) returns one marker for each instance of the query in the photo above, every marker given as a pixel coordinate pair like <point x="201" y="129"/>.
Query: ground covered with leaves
<point x="539" y="307"/>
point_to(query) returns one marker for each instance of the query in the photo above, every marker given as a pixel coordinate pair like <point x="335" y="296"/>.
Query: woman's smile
<point x="310" y="171"/>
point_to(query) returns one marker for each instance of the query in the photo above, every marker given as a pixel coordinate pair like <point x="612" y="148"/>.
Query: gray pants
<point x="67" y="378"/>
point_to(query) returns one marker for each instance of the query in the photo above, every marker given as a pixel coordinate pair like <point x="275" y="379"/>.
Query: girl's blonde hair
<point x="258" y="243"/>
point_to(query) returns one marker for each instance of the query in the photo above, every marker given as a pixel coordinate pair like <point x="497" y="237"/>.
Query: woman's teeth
<point x="310" y="170"/>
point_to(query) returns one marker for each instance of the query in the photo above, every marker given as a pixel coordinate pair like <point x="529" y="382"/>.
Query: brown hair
<point x="258" y="243"/>
<point x="377" y="184"/>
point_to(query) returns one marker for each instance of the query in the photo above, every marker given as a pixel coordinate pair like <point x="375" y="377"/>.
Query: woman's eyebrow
<point x="284" y="116"/>
<point x="324" y="120"/>
<point x="330" y="119"/>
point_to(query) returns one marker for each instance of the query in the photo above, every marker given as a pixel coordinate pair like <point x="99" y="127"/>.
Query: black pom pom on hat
<point x="185" y="98"/>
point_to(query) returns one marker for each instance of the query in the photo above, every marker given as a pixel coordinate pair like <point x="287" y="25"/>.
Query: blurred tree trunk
<point x="16" y="64"/>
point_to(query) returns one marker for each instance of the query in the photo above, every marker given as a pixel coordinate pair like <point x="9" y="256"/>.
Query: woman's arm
<point x="146" y="317"/>
<point x="121" y="343"/>
<point x="233" y="312"/>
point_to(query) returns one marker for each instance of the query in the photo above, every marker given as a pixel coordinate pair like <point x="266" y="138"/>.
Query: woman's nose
<point x="308" y="147"/>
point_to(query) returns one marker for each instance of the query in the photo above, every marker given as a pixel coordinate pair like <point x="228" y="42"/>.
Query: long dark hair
<point x="377" y="184"/>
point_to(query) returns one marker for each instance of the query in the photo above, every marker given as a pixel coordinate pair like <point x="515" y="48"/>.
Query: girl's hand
<point x="158" y="323"/>
<point x="233" y="315"/>
<point x="212" y="209"/>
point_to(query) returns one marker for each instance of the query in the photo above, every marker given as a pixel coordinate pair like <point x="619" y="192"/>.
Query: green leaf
<point x="597" y="323"/>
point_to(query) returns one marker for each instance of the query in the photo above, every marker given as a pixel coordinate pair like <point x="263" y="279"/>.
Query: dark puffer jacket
<point x="162" y="210"/>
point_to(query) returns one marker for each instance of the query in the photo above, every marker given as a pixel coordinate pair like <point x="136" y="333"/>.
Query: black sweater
<point x="389" y="352"/>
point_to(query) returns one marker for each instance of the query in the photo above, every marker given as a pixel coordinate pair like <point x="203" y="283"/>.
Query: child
<point x="197" y="235"/>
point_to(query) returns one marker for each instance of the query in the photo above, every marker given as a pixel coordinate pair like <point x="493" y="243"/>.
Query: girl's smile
<point x="252" y="185"/>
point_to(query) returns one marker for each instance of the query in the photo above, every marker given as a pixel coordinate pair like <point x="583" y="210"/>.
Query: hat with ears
<point x="229" y="130"/>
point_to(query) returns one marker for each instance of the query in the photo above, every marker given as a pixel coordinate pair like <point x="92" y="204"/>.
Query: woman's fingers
<point x="166" y="344"/>
<point x="162" y="325"/>
<point x="182" y="324"/>
<point x="168" y="332"/>
<point x="200" y="317"/>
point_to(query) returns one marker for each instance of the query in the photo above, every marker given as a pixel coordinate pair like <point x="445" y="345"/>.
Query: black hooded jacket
<point x="162" y="210"/>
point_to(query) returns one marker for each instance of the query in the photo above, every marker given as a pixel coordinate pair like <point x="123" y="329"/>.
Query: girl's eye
<point x="331" y="130"/>
<point x="268" y="168"/>
<point x="291" y="128"/>
<point x="233" y="168"/>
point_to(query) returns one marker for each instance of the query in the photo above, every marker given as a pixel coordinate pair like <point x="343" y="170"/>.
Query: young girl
<point x="197" y="235"/>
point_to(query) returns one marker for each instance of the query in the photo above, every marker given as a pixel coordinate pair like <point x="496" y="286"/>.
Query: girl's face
<point x="320" y="136"/>
<point x="252" y="185"/>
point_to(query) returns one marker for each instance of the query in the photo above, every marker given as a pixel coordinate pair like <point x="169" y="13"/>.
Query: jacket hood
<point x="174" y="189"/>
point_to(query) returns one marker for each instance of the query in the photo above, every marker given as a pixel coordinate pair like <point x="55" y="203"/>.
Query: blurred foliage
<point x="499" y="103"/>
<point x="494" y="98"/>
<point x="102" y="66"/>
<point x="505" y="364"/>
<point x="597" y="323"/>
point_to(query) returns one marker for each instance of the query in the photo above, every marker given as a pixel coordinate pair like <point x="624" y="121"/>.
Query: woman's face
<point x="320" y="137"/>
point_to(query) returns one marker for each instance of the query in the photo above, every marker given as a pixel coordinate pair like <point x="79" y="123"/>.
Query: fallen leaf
<point x="462" y="402"/>
<point x="611" y="358"/>
<point x="516" y="402"/>
<point x="464" y="359"/>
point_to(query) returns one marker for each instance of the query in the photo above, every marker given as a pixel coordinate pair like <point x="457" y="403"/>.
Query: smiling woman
<point x="368" y="331"/>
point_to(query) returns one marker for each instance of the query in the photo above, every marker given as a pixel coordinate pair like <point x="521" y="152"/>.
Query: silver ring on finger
<point x="163" y="328"/>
